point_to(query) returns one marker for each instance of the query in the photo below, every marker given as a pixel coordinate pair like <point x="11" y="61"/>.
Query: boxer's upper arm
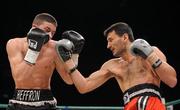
<point x="13" y="51"/>
<point x="15" y="56"/>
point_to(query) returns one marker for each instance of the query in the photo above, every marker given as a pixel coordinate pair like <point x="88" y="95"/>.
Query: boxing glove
<point x="78" y="41"/>
<point x="142" y="48"/>
<point x="76" y="38"/>
<point x="36" y="39"/>
<point x="64" y="49"/>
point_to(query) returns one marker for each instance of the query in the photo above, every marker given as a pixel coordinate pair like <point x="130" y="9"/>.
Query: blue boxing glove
<point x="142" y="48"/>
<point x="36" y="39"/>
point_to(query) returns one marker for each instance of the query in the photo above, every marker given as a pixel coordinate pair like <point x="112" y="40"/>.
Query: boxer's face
<point x="47" y="27"/>
<point x="116" y="44"/>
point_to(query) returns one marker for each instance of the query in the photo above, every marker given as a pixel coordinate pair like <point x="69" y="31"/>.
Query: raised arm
<point x="165" y="71"/>
<point x="61" y="67"/>
<point x="157" y="59"/>
<point x="68" y="47"/>
<point x="15" y="56"/>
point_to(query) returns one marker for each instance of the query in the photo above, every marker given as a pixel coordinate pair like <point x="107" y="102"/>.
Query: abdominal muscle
<point x="135" y="80"/>
<point x="138" y="72"/>
<point x="35" y="78"/>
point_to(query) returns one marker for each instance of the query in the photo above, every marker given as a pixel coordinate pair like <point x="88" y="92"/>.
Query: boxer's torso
<point x="129" y="74"/>
<point x="33" y="76"/>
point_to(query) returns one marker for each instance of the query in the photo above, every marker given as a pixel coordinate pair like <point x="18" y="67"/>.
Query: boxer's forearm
<point x="167" y="74"/>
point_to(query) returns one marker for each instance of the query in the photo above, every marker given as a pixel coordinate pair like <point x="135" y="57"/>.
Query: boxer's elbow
<point x="69" y="83"/>
<point x="84" y="86"/>
<point x="173" y="82"/>
<point x="82" y="90"/>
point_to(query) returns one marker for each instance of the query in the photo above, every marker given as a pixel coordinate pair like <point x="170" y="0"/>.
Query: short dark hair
<point x="39" y="18"/>
<point x="120" y="28"/>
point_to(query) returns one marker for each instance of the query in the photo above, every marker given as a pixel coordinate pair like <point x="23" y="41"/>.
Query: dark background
<point x="154" y="20"/>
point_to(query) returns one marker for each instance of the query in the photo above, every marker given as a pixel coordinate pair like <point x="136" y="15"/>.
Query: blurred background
<point x="153" y="20"/>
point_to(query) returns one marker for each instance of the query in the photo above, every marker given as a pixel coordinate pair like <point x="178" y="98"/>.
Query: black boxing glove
<point x="78" y="41"/>
<point x="142" y="48"/>
<point x="76" y="38"/>
<point x="36" y="39"/>
<point x="64" y="49"/>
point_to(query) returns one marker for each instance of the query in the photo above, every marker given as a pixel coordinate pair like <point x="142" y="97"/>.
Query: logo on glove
<point x="32" y="43"/>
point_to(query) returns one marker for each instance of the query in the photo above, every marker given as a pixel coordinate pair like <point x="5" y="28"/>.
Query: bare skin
<point x="36" y="76"/>
<point x="127" y="69"/>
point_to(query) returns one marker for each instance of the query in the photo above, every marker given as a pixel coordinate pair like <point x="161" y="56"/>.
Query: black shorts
<point x="32" y="99"/>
